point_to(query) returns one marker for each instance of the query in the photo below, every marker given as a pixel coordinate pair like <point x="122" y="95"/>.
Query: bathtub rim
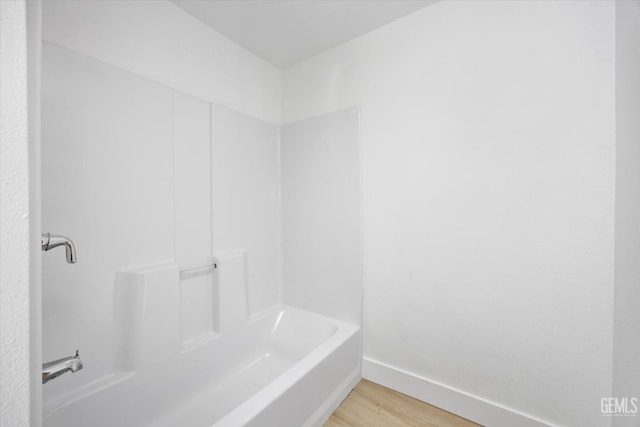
<point x="250" y="408"/>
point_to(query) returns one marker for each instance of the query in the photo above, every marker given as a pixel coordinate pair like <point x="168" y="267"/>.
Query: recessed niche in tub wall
<point x="155" y="320"/>
<point x="147" y="308"/>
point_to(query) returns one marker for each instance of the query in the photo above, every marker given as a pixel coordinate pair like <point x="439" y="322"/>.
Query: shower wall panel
<point x="127" y="174"/>
<point x="246" y="199"/>
<point x="321" y="215"/>
<point x="107" y="183"/>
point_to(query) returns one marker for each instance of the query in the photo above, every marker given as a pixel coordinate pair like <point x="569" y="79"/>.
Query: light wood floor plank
<point x="372" y="405"/>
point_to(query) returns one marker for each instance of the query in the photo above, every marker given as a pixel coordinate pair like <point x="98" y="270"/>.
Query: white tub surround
<point x="275" y="369"/>
<point x="139" y="174"/>
<point x="322" y="214"/>
<point x="172" y="185"/>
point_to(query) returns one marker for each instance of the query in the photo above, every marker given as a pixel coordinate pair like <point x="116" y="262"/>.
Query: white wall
<point x="626" y="375"/>
<point x="158" y="40"/>
<point x="321" y="215"/>
<point x="127" y="174"/>
<point x="488" y="139"/>
<point x="15" y="304"/>
<point x="34" y="61"/>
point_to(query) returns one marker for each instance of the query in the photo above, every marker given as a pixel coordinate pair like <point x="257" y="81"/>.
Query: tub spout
<point x="58" y="367"/>
<point x="50" y="241"/>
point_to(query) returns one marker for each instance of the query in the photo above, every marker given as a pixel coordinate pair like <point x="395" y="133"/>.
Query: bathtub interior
<point x="162" y="379"/>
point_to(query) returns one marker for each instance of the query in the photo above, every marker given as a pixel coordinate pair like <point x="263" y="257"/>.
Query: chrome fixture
<point x="198" y="270"/>
<point x="50" y="241"/>
<point x="58" y="367"/>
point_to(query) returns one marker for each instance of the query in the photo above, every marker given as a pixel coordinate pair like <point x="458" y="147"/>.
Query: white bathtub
<point x="285" y="368"/>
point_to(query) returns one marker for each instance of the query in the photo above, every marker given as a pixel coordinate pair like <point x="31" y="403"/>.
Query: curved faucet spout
<point x="58" y="367"/>
<point x="50" y="241"/>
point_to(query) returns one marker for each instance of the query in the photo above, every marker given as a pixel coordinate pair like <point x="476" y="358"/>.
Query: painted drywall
<point x="34" y="61"/>
<point x="160" y="41"/>
<point x="626" y="375"/>
<point x="15" y="304"/>
<point x="287" y="32"/>
<point x="321" y="215"/>
<point x="488" y="156"/>
<point x="127" y="174"/>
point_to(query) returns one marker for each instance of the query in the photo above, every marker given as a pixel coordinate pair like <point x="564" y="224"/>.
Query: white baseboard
<point x="471" y="407"/>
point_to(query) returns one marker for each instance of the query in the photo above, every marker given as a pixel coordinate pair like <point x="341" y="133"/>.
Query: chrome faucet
<point x="58" y="367"/>
<point x="50" y="241"/>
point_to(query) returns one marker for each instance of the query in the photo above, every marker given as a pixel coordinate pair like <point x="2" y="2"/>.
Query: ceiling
<point x="284" y="32"/>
